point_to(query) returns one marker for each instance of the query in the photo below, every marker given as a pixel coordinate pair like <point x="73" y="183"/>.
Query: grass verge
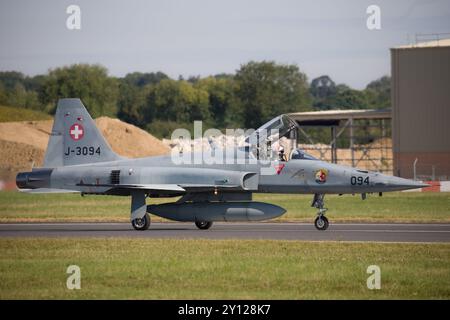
<point x="221" y="269"/>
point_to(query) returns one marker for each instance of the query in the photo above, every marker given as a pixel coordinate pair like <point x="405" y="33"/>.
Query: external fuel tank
<point x="217" y="211"/>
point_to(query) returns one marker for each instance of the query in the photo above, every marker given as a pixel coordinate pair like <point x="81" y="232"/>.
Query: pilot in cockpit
<point x="278" y="151"/>
<point x="281" y="154"/>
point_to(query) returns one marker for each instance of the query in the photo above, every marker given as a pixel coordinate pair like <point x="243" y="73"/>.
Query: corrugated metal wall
<point x="421" y="111"/>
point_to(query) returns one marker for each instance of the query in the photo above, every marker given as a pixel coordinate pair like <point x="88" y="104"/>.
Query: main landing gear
<point x="141" y="224"/>
<point x="321" y="222"/>
<point x="140" y="219"/>
<point x="203" y="225"/>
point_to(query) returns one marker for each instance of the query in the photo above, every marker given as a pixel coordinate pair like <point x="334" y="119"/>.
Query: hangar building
<point x="420" y="98"/>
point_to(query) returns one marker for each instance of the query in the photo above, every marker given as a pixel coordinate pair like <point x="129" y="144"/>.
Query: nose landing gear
<point x="321" y="222"/>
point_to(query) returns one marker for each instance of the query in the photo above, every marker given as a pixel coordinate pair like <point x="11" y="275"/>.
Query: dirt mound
<point x="33" y="133"/>
<point x="25" y="142"/>
<point x="128" y="140"/>
<point x="17" y="156"/>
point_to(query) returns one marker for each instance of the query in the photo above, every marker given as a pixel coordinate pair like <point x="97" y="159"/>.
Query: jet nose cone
<point x="420" y="184"/>
<point x="397" y="183"/>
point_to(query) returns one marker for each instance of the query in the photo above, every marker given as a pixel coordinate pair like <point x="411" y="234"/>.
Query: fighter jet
<point x="78" y="159"/>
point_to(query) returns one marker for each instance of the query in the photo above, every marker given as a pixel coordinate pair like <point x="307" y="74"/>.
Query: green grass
<point x="8" y="114"/>
<point x="221" y="269"/>
<point x="392" y="207"/>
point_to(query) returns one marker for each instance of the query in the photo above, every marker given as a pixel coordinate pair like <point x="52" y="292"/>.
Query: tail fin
<point x="75" y="138"/>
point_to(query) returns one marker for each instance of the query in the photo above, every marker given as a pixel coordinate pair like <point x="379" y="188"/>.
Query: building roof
<point x="336" y="115"/>
<point x="427" y="44"/>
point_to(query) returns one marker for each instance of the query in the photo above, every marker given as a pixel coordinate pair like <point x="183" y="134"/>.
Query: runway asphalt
<point x="286" y="231"/>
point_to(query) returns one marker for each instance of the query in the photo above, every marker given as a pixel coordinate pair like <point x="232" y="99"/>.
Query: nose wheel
<point x="321" y="222"/>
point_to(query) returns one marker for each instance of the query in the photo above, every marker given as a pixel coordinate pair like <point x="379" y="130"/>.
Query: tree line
<point x="255" y="93"/>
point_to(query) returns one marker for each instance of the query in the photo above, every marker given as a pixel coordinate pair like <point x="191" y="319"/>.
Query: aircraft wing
<point x="181" y="188"/>
<point x="149" y="187"/>
<point x="153" y="187"/>
<point x="199" y="181"/>
<point x="48" y="190"/>
<point x="209" y="187"/>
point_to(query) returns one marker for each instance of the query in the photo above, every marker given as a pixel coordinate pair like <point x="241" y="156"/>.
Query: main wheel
<point x="141" y="223"/>
<point x="321" y="223"/>
<point x="203" y="225"/>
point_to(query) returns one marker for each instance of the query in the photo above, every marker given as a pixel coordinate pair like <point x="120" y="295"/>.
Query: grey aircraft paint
<point x="79" y="159"/>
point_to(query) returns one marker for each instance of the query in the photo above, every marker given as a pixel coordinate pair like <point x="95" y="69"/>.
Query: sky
<point x="205" y="37"/>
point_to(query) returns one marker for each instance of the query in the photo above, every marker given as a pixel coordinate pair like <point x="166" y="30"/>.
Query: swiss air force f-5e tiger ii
<point x="78" y="159"/>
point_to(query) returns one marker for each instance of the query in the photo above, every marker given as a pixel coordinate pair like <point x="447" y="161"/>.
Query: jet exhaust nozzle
<point x="22" y="180"/>
<point x="38" y="178"/>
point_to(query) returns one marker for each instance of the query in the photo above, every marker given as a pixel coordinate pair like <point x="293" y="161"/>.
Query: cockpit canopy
<point x="273" y="130"/>
<point x="271" y="138"/>
<point x="301" y="155"/>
